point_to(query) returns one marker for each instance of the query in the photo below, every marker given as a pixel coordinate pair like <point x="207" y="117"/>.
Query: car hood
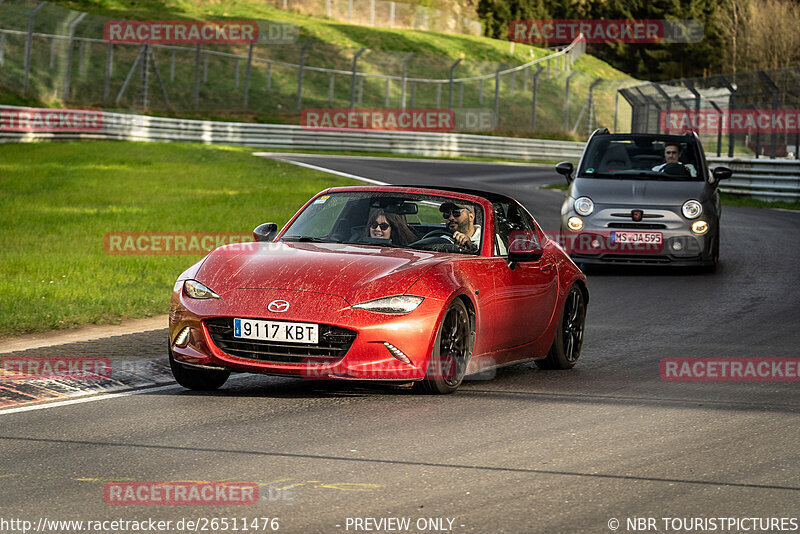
<point x="638" y="192"/>
<point x="354" y="272"/>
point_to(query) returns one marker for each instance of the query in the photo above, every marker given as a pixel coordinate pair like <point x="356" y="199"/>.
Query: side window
<point x="508" y="217"/>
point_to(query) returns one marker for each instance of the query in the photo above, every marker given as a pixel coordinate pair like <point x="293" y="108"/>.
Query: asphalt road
<point x="529" y="451"/>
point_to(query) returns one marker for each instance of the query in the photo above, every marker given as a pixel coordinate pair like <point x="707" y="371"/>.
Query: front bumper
<point x="368" y="357"/>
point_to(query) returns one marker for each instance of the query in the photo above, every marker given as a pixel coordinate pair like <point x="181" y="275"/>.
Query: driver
<point x="461" y="221"/>
<point x="672" y="153"/>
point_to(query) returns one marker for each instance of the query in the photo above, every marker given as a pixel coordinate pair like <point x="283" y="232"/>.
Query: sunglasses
<point x="382" y="226"/>
<point x="455" y="213"/>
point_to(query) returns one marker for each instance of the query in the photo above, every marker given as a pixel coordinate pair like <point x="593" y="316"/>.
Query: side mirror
<point x="566" y="169"/>
<point x="721" y="173"/>
<point x="265" y="232"/>
<point x="524" y="246"/>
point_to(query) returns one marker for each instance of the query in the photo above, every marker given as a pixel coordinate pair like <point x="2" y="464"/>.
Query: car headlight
<point x="584" y="206"/>
<point x="575" y="223"/>
<point x="692" y="209"/>
<point x="196" y="290"/>
<point x="396" y="304"/>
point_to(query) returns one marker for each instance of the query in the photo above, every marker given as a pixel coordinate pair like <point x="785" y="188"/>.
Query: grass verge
<point x="58" y="200"/>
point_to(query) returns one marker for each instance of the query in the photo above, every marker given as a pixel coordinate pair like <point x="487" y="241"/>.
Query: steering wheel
<point x="675" y="169"/>
<point x="447" y="235"/>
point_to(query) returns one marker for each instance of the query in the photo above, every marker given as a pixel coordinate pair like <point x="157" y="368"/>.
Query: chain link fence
<point x="752" y="114"/>
<point x="54" y="53"/>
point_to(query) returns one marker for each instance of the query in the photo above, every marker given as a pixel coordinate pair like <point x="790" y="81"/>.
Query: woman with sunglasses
<point x="383" y="225"/>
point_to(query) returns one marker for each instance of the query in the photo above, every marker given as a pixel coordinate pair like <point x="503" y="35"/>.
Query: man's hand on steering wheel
<point x="461" y="239"/>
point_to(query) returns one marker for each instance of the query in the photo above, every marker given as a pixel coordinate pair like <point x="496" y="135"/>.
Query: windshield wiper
<point x="305" y="239"/>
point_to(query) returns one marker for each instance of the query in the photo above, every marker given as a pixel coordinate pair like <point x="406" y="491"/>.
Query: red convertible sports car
<point x="400" y="284"/>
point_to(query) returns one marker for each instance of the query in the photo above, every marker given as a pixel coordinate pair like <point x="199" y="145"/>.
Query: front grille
<point x="334" y="342"/>
<point x="637" y="226"/>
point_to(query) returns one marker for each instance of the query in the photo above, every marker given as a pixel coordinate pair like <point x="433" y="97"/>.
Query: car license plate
<point x="637" y="238"/>
<point x="282" y="331"/>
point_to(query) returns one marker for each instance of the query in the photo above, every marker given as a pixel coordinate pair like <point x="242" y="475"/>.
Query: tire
<point x="197" y="379"/>
<point x="451" y="353"/>
<point x="566" y="347"/>
<point x="712" y="268"/>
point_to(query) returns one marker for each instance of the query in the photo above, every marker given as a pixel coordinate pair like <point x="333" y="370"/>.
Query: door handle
<point x="546" y="268"/>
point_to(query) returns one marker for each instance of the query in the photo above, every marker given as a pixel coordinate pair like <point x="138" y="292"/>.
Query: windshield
<point x="640" y="157"/>
<point x="389" y="219"/>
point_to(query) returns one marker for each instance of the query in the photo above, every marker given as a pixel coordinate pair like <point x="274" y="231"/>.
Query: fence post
<point x="391" y="14"/>
<point x="539" y="70"/>
<point x="247" y="74"/>
<point x="145" y="75"/>
<point x="52" y="52"/>
<point x="773" y="135"/>
<point x="205" y="68"/>
<point x="172" y="65"/>
<point x="2" y="47"/>
<point x="330" y="89"/>
<point x="68" y="74"/>
<point x="497" y="95"/>
<point x="616" y="104"/>
<point x="566" y="103"/>
<point x="452" y="71"/>
<point x="269" y="76"/>
<point x="353" y="78"/>
<point x="386" y="100"/>
<point x="109" y="68"/>
<point x="403" y="79"/>
<point x="196" y="93"/>
<point x="300" y="73"/>
<point x="372" y="12"/>
<point x="236" y="74"/>
<point x="591" y="105"/>
<point x="29" y="43"/>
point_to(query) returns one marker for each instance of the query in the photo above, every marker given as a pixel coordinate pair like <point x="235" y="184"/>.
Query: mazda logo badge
<point x="278" y="306"/>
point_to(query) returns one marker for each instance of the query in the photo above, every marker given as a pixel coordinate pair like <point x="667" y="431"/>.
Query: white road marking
<point x="323" y="169"/>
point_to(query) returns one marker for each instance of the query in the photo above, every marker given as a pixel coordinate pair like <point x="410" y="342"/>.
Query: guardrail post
<point x="452" y="71"/>
<point x="566" y="103"/>
<point x="403" y="79"/>
<point x="247" y="74"/>
<point x="497" y="95"/>
<point x="300" y="73"/>
<point x="29" y="43"/>
<point x="355" y="70"/>
<point x="68" y="74"/>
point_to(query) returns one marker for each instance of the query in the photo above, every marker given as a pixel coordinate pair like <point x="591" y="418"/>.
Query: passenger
<point x="672" y="153"/>
<point x="460" y="219"/>
<point x="383" y="225"/>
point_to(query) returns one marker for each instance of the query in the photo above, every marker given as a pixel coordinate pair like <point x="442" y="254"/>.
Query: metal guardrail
<point x="770" y="179"/>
